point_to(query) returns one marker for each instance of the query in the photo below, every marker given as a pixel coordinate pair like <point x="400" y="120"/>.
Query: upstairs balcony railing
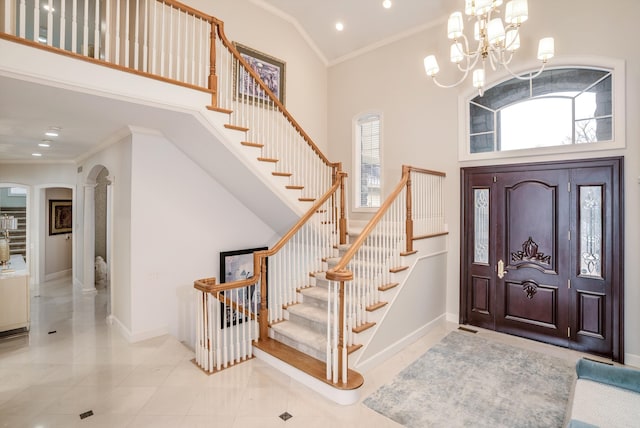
<point x="172" y="42"/>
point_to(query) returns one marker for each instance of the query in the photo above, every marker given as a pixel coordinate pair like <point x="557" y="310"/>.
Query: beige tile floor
<point x="48" y="380"/>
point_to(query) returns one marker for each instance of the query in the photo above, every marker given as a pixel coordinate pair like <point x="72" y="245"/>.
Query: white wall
<point x="117" y="159"/>
<point x="421" y="120"/>
<point x="181" y="219"/>
<point x="306" y="74"/>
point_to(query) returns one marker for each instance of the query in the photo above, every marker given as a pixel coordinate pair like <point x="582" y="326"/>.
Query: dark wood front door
<point x="540" y="251"/>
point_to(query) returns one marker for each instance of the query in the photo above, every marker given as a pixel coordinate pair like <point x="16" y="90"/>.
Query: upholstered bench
<point x="605" y="396"/>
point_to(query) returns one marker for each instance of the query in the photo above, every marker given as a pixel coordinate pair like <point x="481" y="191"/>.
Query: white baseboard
<point x="135" y="337"/>
<point x="339" y="396"/>
<point x="453" y="317"/>
<point x="398" y="346"/>
<point x="57" y="275"/>
<point x="632" y="360"/>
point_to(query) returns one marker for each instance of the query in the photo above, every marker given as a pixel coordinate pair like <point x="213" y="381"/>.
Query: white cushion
<point x="604" y="405"/>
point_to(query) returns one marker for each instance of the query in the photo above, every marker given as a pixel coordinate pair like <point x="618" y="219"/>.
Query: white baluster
<point x="136" y="37"/>
<point x="36" y="20"/>
<point x="74" y="27"/>
<point x="96" y="31"/>
<point x="145" y="37"/>
<point x="50" y="23"/>
<point x="117" y="59"/>
<point x="127" y="35"/>
<point x="85" y="29"/>
<point x="23" y="18"/>
<point x="63" y="24"/>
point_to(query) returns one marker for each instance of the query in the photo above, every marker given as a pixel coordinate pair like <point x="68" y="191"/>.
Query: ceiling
<point x="28" y="109"/>
<point x="366" y="22"/>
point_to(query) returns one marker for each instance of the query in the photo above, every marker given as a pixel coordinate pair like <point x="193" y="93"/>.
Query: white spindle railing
<point x="221" y="341"/>
<point x="122" y="33"/>
<point x="368" y="265"/>
<point x="226" y="324"/>
<point x="268" y="123"/>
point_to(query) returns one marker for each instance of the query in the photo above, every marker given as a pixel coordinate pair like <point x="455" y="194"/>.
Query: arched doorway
<point x="97" y="235"/>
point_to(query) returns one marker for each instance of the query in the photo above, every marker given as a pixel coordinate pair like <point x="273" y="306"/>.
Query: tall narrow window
<point x="367" y="161"/>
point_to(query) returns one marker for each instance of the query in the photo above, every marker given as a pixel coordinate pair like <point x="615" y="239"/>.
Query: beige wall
<point x="421" y="120"/>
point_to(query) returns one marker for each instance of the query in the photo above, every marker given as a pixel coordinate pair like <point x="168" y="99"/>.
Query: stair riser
<point x="309" y="350"/>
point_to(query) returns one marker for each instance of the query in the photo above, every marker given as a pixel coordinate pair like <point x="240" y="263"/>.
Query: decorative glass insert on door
<point x="591" y="231"/>
<point x="481" y="225"/>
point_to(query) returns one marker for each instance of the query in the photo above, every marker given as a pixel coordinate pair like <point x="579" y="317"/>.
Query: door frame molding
<point x="617" y="280"/>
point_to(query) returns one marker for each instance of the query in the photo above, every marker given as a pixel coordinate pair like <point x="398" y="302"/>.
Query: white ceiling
<point x="27" y="109"/>
<point x="366" y="22"/>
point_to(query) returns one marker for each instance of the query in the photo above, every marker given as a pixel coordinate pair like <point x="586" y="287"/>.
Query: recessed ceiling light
<point x="36" y="154"/>
<point x="53" y="131"/>
<point x="386" y="4"/>
<point x="339" y="26"/>
<point x="45" y="143"/>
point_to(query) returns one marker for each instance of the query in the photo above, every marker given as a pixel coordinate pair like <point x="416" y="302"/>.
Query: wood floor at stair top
<point x="307" y="364"/>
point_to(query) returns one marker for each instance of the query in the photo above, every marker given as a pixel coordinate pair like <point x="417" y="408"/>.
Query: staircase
<point x="321" y="300"/>
<point x="305" y="324"/>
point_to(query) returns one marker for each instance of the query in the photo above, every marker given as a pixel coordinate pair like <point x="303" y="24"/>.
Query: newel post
<point x="213" y="78"/>
<point x="409" y="222"/>
<point x="263" y="318"/>
<point x="343" y="218"/>
<point x="343" y="362"/>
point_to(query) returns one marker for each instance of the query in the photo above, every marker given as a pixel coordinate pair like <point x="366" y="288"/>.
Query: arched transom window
<point x="564" y="106"/>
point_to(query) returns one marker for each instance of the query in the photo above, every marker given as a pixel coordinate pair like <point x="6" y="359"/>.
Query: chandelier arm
<point x="471" y="66"/>
<point x="464" y="76"/>
<point x="531" y="77"/>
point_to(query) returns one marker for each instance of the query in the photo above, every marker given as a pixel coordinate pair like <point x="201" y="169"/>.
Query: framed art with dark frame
<point x="234" y="266"/>
<point x="271" y="70"/>
<point x="60" y="216"/>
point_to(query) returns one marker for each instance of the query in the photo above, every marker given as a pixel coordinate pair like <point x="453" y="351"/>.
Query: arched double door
<point x="542" y="253"/>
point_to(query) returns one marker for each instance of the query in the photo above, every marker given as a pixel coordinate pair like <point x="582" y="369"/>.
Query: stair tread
<point x="309" y="312"/>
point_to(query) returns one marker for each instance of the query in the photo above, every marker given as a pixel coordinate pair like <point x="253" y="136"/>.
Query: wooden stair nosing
<point x="375" y="306"/>
<point x="220" y="109"/>
<point x="363" y="327"/>
<point x="307" y="199"/>
<point x="281" y="174"/>
<point x="294" y="187"/>
<point x="272" y="160"/>
<point x="353" y="348"/>
<point x="388" y="286"/>
<point x="250" y="144"/>
<point x="408" y="253"/>
<point x="236" y="127"/>
<point x="398" y="269"/>
<point x="307" y="364"/>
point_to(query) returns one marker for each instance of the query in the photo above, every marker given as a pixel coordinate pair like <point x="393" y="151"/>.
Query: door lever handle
<point x="501" y="270"/>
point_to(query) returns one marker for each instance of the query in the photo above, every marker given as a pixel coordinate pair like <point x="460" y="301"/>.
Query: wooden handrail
<point x="339" y="272"/>
<point x="258" y="255"/>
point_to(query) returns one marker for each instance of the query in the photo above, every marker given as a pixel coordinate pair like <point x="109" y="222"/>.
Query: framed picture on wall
<point x="271" y="70"/>
<point x="60" y="216"/>
<point x="235" y="266"/>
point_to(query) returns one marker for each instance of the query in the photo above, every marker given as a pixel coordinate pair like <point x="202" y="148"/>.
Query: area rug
<point x="469" y="381"/>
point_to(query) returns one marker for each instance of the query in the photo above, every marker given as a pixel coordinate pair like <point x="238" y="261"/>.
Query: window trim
<point x="355" y="148"/>
<point x="617" y="68"/>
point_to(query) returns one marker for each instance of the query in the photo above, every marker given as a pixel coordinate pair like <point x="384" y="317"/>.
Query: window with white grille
<point x="367" y="161"/>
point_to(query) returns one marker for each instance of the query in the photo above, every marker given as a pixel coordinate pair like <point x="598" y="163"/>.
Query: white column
<point x="89" y="285"/>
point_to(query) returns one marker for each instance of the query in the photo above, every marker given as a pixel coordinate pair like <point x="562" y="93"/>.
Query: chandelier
<point x="497" y="41"/>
